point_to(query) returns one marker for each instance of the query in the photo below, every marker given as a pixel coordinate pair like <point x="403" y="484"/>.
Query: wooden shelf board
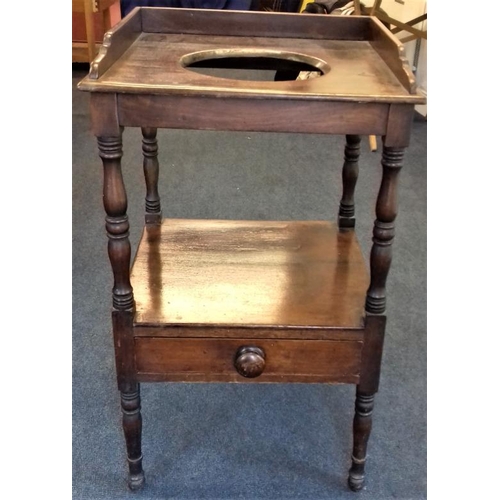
<point x="252" y="274"/>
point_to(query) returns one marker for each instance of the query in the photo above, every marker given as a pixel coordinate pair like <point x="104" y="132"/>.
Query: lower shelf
<point x="214" y="298"/>
<point x="222" y="278"/>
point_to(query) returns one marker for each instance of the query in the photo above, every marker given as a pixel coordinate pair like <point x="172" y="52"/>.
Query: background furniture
<point x="399" y="25"/>
<point x="97" y="19"/>
<point x="249" y="301"/>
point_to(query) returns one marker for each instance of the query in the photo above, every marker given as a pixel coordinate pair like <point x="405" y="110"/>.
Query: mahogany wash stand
<point x="249" y="301"/>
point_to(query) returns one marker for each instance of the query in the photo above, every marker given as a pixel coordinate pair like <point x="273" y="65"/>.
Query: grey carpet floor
<point x="228" y="441"/>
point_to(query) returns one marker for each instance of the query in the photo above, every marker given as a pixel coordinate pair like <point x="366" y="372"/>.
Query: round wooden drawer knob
<point x="250" y="361"/>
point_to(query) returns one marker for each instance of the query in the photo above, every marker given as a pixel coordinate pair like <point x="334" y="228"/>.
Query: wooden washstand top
<point x="150" y="50"/>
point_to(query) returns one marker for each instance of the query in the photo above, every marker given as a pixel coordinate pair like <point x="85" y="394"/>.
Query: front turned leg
<point x="117" y="228"/>
<point x="132" y="427"/>
<point x="350" y="172"/>
<point x="362" y="427"/>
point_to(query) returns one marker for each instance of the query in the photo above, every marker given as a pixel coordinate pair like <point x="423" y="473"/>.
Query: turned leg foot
<point x="356" y="478"/>
<point x="136" y="481"/>
<point x="361" y="432"/>
<point x="132" y="428"/>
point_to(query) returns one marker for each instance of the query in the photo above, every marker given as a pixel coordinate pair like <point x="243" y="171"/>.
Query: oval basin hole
<point x="253" y="65"/>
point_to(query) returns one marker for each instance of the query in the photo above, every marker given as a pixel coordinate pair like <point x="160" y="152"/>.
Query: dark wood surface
<point x="384" y="230"/>
<point x="353" y="69"/>
<point x="117" y="225"/>
<point x="249" y="301"/>
<point x="241" y="114"/>
<point x="151" y="169"/>
<point x="362" y="426"/>
<point x="132" y="427"/>
<point x="212" y="360"/>
<point x="244" y="273"/>
<point x="247" y="114"/>
<point x="250" y="332"/>
<point x="360" y="59"/>
<point x="350" y="171"/>
<point x="393" y="53"/>
<point x="115" y="42"/>
<point x="252" y="24"/>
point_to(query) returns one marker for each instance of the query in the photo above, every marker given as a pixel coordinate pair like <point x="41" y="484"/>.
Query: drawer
<point x="247" y="360"/>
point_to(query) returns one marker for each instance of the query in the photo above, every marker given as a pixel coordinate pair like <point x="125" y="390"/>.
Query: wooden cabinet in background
<point x="91" y="19"/>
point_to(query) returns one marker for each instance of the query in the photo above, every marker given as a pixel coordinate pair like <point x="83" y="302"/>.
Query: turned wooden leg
<point x="349" y="178"/>
<point x="384" y="230"/>
<point x="365" y="394"/>
<point x="380" y="262"/>
<point x="151" y="174"/>
<point x="117" y="228"/>
<point x="117" y="225"/>
<point x="132" y="427"/>
<point x="362" y="427"/>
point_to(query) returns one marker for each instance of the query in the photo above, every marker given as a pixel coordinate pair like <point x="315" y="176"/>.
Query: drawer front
<point x="267" y="360"/>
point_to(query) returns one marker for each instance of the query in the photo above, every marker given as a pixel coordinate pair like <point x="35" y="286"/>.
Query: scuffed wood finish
<point x="248" y="115"/>
<point x="117" y="225"/>
<point x="104" y="115"/>
<point x="353" y="70"/>
<point x="249" y="301"/>
<point x="115" y="42"/>
<point x="371" y="360"/>
<point x="350" y="172"/>
<point x="145" y="54"/>
<point x="123" y="336"/>
<point x="251" y="332"/>
<point x="251" y="24"/>
<point x="132" y="428"/>
<point x="250" y="361"/>
<point x="393" y="53"/>
<point x="362" y="427"/>
<point x="384" y="230"/>
<point x="212" y="360"/>
<point x="151" y="174"/>
<point x="399" y="124"/>
<point x="245" y="273"/>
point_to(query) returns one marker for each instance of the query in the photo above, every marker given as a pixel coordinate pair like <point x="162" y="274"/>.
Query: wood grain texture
<point x="251" y="332"/>
<point x="393" y="53"/>
<point x="104" y="115"/>
<point x="245" y="273"/>
<point x="153" y="64"/>
<point x="132" y="428"/>
<point x="252" y="24"/>
<point x="252" y="115"/>
<point x="117" y="225"/>
<point x="115" y="42"/>
<point x="384" y="230"/>
<point x="371" y="359"/>
<point x="151" y="175"/>
<point x="123" y="338"/>
<point x="350" y="170"/>
<point x="249" y="301"/>
<point x="399" y="123"/>
<point x="212" y="360"/>
<point x="362" y="427"/>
